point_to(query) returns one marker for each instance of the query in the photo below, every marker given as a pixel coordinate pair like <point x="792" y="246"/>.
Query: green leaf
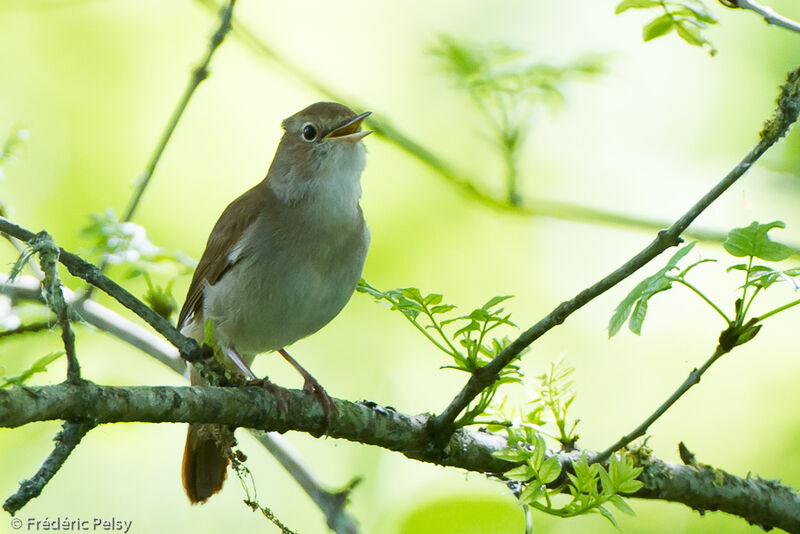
<point x="630" y="486"/>
<point x="621" y="505"/>
<point x="699" y="11"/>
<point x="550" y="470"/>
<point x="442" y="308"/>
<point x="531" y="493"/>
<point x="511" y="455"/>
<point x="691" y="34"/>
<point x="754" y="241"/>
<point x="657" y="27"/>
<point x="637" y="317"/>
<point x="643" y="291"/>
<point x="605" y="512"/>
<point x="39" y="366"/>
<point x="522" y="473"/>
<point x="634" y="4"/>
<point x="494" y="301"/>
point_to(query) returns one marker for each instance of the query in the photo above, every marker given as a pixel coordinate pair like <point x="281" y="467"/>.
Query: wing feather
<point x="216" y="259"/>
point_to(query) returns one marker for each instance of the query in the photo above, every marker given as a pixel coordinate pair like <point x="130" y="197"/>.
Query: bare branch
<point x="763" y="502"/>
<point x="767" y="13"/>
<point x="27" y="329"/>
<point x="691" y="380"/>
<point x="774" y="128"/>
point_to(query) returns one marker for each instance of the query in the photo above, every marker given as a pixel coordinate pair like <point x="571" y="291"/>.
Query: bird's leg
<point x="278" y="392"/>
<point x="231" y="353"/>
<point x="310" y="385"/>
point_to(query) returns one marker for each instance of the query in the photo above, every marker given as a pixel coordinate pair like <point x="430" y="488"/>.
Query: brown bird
<point x="281" y="262"/>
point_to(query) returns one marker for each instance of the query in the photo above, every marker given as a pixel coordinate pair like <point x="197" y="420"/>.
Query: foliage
<point x="750" y="242"/>
<point x="468" y="342"/>
<point x="505" y="88"/>
<point x="539" y="475"/>
<point x="126" y="243"/>
<point x="39" y="366"/>
<point x="687" y="17"/>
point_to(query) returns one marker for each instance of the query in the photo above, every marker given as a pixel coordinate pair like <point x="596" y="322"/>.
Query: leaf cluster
<point x="751" y="242"/>
<point x="468" y="339"/>
<point x="590" y="487"/>
<point x="505" y="87"/>
<point x="687" y="17"/>
<point x="127" y="244"/>
<point x="39" y="366"/>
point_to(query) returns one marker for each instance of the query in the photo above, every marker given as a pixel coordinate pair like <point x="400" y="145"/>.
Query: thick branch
<point x="332" y="504"/>
<point x="775" y="128"/>
<point x="759" y="501"/>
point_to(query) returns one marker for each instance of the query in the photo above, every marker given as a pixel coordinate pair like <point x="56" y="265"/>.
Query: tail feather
<point x="205" y="460"/>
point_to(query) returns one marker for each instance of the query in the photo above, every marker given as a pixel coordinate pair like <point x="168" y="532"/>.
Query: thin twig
<point x="198" y="74"/>
<point x="97" y="315"/>
<point x="767" y="13"/>
<point x="691" y="380"/>
<point x="384" y="128"/>
<point x="774" y="128"/>
<point x="27" y="329"/>
<point x="66" y="440"/>
<point x="48" y="252"/>
<point x="332" y="504"/>
<point x="79" y="267"/>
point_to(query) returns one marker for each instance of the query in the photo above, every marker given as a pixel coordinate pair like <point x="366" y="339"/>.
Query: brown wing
<point x="215" y="261"/>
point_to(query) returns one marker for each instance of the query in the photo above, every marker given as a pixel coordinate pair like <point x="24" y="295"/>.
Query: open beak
<point x="350" y="130"/>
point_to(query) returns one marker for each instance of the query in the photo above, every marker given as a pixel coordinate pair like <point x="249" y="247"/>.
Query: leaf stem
<point x="779" y="309"/>
<point x="702" y="296"/>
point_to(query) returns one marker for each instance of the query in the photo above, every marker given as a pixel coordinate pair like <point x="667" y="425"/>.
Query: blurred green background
<point x="94" y="83"/>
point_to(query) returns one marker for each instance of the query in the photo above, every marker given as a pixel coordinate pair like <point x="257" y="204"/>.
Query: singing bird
<point x="281" y="262"/>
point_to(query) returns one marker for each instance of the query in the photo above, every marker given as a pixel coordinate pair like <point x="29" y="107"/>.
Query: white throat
<point x="334" y="187"/>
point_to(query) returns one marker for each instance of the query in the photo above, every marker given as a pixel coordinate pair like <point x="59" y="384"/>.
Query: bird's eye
<point x="309" y="132"/>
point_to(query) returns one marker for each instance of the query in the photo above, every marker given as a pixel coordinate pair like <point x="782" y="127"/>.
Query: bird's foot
<point x="280" y="394"/>
<point x="328" y="406"/>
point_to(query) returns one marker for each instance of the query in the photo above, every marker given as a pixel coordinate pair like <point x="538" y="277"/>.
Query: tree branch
<point x="759" y="501"/>
<point x="691" y="380"/>
<point x="774" y="128"/>
<point x="332" y="504"/>
<point x="66" y="441"/>
<point x="767" y="13"/>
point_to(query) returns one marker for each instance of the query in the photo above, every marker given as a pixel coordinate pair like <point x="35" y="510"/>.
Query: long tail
<point x="205" y="460"/>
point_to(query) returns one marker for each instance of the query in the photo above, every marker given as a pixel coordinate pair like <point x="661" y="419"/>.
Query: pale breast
<point x="287" y="284"/>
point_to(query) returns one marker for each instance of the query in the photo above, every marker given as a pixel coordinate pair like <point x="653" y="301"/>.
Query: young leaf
<point x="39" y="366"/>
<point x="642" y="293"/>
<point x="621" y="504"/>
<point x="634" y="4"/>
<point x="657" y="27"/>
<point x="550" y="470"/>
<point x="754" y="241"/>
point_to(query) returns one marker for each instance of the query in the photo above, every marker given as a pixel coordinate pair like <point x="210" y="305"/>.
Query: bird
<point x="280" y="263"/>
